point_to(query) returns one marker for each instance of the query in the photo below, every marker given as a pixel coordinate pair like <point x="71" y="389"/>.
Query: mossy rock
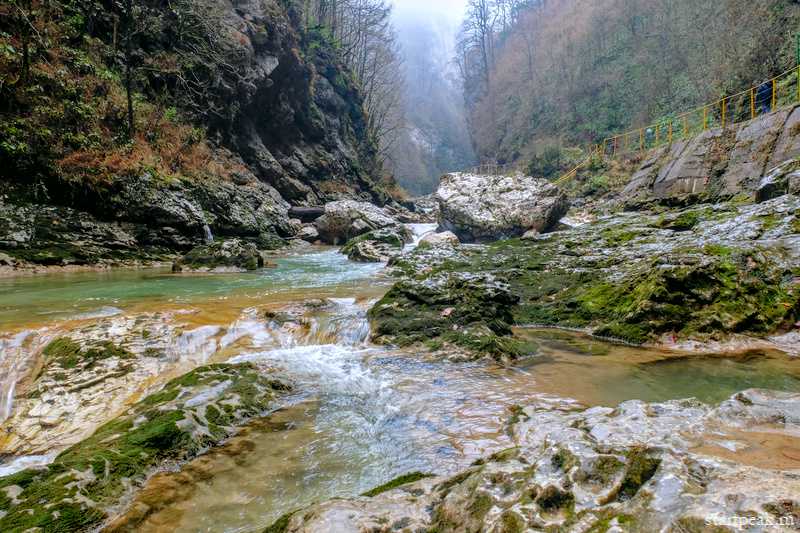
<point x="472" y="312"/>
<point x="399" y="481"/>
<point x="69" y="355"/>
<point x="190" y="413"/>
<point x="233" y="253"/>
<point x="377" y="245"/>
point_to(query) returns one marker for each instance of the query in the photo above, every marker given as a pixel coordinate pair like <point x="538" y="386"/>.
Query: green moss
<point x="480" y="505"/>
<point x="641" y="467"/>
<point x="795" y="224"/>
<point x="159" y="428"/>
<point x="605" y="469"/>
<point x="63" y="351"/>
<point x="511" y="522"/>
<point x="397" y="482"/>
<point x="604" y="519"/>
<point x="384" y="236"/>
<point x="616" y="237"/>
<point x="281" y="524"/>
<point x="552" y="499"/>
<point x="564" y="460"/>
<point x="683" y="222"/>
<point x="68" y="354"/>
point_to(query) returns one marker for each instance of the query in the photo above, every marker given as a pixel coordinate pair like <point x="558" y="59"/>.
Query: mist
<point x="435" y="137"/>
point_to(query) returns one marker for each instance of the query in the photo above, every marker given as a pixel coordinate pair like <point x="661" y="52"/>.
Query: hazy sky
<point x="449" y="9"/>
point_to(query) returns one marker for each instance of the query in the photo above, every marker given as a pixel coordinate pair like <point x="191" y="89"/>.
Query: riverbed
<point x="361" y="414"/>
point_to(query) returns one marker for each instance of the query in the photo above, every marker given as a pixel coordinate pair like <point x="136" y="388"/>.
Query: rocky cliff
<point x="239" y="111"/>
<point x="719" y="163"/>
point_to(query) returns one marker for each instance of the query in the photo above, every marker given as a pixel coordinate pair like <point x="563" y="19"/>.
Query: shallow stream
<point x="361" y="414"/>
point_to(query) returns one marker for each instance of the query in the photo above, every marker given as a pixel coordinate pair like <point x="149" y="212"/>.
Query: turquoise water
<point x="41" y="298"/>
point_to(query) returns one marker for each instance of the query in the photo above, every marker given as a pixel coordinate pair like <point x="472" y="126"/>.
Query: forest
<point x="539" y="74"/>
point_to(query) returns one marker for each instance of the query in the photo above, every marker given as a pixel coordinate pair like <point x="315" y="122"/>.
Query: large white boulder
<point x="485" y="208"/>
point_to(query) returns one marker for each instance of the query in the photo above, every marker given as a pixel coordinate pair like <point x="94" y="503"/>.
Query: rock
<point x="63" y="236"/>
<point x="470" y="312"/>
<point x="718" y="163"/>
<point x="781" y="180"/>
<point x="308" y="233"/>
<point x="189" y="414"/>
<point x="633" y="468"/>
<point x="377" y="246"/>
<point x="221" y="255"/>
<point x="705" y="273"/>
<point x="531" y="235"/>
<point x="486" y="208"/>
<point x="446" y="238"/>
<point x="346" y="219"/>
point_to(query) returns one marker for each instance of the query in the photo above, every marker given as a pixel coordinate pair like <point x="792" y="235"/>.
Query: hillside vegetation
<point x="541" y="73"/>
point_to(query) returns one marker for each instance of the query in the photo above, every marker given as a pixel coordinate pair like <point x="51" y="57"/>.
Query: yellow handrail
<point x="620" y="144"/>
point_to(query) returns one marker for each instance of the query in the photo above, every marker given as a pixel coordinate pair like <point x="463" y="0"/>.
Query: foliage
<point x="581" y="71"/>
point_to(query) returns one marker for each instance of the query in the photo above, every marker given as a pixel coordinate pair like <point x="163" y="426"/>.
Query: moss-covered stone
<point x="620" y="278"/>
<point x="377" y="245"/>
<point x="232" y="253"/>
<point x="73" y="492"/>
<point x="405" y="479"/>
<point x="68" y="354"/>
<point x="470" y="311"/>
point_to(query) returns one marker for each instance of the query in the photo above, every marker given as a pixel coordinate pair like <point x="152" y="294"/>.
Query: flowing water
<point x="360" y="414"/>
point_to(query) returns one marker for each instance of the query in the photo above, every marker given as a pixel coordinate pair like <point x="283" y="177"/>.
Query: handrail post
<point x="705" y="118"/>
<point x="641" y="140"/>
<point x="724" y="112"/>
<point x="752" y="103"/>
<point x="685" y="126"/>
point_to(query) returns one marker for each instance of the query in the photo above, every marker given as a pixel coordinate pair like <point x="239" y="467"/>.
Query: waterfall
<point x="207" y="235"/>
<point x="11" y="355"/>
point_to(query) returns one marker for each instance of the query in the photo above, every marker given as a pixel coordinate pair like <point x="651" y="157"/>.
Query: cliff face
<point x="239" y="111"/>
<point x="719" y="164"/>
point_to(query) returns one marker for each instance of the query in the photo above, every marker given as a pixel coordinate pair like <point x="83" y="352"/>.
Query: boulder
<point x="485" y="208"/>
<point x="465" y="316"/>
<point x="232" y="254"/>
<point x="308" y="233"/>
<point x="781" y="180"/>
<point x="446" y="238"/>
<point x="377" y="246"/>
<point x="346" y="219"/>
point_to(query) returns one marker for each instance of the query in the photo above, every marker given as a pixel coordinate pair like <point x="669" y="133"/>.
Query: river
<point x="361" y="414"/>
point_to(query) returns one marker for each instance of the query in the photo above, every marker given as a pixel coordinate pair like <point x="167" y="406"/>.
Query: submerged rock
<point x="189" y="413"/>
<point x="378" y="245"/>
<point x="487" y="208"/>
<point x="221" y="255"/>
<point x="633" y="468"/>
<point x="346" y="219"/>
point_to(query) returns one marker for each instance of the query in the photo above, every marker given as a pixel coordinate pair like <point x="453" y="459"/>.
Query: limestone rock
<point x="378" y="245"/>
<point x="221" y="255"/>
<point x="632" y="468"/>
<point x="308" y="233"/>
<point x="486" y="208"/>
<point x="783" y="179"/>
<point x="446" y="238"/>
<point x="346" y="219"/>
